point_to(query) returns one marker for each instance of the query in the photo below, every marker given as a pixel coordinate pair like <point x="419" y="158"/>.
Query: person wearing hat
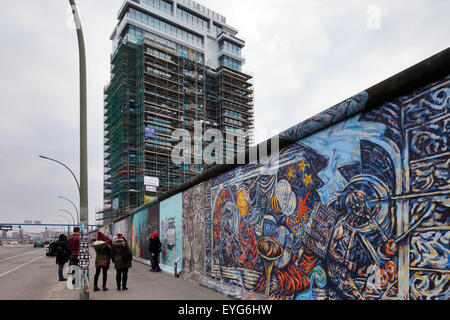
<point x="155" y="249"/>
<point x="122" y="257"/>
<point x="102" y="260"/>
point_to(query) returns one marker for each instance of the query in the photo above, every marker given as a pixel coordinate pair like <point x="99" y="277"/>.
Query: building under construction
<point x="175" y="64"/>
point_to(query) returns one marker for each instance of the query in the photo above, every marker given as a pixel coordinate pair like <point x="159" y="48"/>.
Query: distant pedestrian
<point x="74" y="245"/>
<point x="155" y="250"/>
<point x="122" y="257"/>
<point x="102" y="260"/>
<point x="62" y="251"/>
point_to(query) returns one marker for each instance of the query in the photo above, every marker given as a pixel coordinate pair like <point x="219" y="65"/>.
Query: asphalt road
<point x="26" y="273"/>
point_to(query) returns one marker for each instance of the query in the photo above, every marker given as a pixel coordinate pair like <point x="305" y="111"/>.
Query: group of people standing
<point x="118" y="251"/>
<point x="66" y="250"/>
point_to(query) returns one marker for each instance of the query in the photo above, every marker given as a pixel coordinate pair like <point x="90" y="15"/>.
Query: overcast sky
<point x="306" y="56"/>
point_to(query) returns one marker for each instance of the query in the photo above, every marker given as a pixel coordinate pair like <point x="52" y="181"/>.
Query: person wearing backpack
<point x="122" y="257"/>
<point x="155" y="249"/>
<point x="102" y="260"/>
<point x="62" y="251"/>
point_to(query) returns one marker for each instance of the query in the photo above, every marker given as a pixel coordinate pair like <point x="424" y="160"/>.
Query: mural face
<point x="356" y="211"/>
<point x="195" y="207"/>
<point x="171" y="233"/>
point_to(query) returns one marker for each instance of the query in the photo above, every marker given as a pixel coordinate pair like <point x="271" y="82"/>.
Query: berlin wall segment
<point x="353" y="206"/>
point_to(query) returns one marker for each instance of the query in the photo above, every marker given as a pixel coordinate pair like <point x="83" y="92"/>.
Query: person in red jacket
<point x="74" y="245"/>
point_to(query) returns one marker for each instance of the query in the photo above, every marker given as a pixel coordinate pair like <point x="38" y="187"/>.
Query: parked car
<point x="49" y="249"/>
<point x="38" y="244"/>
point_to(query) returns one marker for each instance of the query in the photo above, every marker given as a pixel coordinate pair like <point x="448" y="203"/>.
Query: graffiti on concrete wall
<point x="139" y="234"/>
<point x="123" y="227"/>
<point x="144" y="224"/>
<point x="355" y="211"/>
<point x="194" y="210"/>
<point x="171" y="233"/>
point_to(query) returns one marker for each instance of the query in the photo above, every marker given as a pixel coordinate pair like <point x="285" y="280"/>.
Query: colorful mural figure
<point x="123" y="227"/>
<point x="194" y="211"/>
<point x="355" y="211"/>
<point x="171" y="233"/>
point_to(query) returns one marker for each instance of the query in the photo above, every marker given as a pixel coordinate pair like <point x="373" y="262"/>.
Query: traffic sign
<point x="6" y="228"/>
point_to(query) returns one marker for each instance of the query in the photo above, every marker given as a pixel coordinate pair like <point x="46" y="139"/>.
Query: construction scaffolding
<point x="153" y="92"/>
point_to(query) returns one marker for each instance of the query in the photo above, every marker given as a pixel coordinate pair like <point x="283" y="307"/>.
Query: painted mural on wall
<point x="195" y="207"/>
<point x="356" y="211"/>
<point x="123" y="227"/>
<point x="171" y="233"/>
<point x="143" y="225"/>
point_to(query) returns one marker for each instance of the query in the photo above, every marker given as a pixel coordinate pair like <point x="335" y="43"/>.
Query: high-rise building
<point x="174" y="64"/>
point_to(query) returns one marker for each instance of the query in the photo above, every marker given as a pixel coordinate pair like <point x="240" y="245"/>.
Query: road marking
<point x="20" y="255"/>
<point x="23" y="265"/>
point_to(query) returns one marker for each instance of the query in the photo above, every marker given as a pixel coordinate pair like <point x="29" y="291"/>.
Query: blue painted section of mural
<point x="139" y="234"/>
<point x="331" y="116"/>
<point x="171" y="233"/>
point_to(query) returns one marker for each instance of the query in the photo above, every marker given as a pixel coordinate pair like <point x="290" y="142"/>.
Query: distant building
<point x="174" y="64"/>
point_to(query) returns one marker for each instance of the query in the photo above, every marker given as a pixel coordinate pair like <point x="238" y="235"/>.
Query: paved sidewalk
<point x="142" y="285"/>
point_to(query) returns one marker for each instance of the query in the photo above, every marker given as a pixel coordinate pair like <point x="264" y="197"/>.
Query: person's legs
<point x="152" y="260"/>
<point x="105" y="278"/>
<point x="60" y="272"/>
<point x="97" y="274"/>
<point x="157" y="269"/>
<point x="118" y="277"/>
<point x="125" y="279"/>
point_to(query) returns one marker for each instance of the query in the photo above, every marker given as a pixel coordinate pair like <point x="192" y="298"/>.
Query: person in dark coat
<point x="122" y="257"/>
<point x="155" y="249"/>
<point x="102" y="260"/>
<point x="62" y="250"/>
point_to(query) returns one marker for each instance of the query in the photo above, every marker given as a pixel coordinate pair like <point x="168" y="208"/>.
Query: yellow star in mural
<point x="302" y="165"/>
<point x="307" y="179"/>
<point x="291" y="173"/>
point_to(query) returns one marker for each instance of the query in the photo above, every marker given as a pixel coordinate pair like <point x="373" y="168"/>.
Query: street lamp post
<point x="73" y="204"/>
<point x="68" y="225"/>
<point x="73" y="174"/>
<point x="71" y="215"/>
<point x="84" y="212"/>
<point x="83" y="116"/>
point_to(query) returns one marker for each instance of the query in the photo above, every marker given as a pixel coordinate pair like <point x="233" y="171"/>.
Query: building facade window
<point x="230" y="47"/>
<point x="161" y="5"/>
<point x="192" y="19"/>
<point x="217" y="30"/>
<point x="230" y="63"/>
<point x="136" y="34"/>
<point x="165" y="27"/>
